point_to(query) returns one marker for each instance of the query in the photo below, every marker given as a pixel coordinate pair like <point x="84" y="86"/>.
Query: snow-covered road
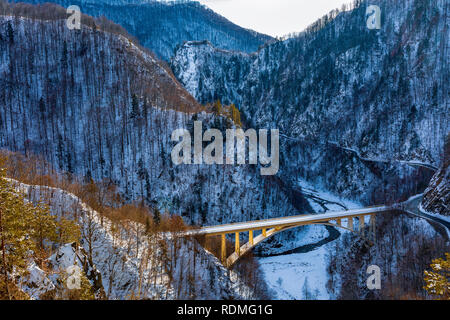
<point x="287" y="221"/>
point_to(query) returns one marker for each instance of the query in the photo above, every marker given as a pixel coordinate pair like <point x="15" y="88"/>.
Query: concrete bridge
<point x="270" y="227"/>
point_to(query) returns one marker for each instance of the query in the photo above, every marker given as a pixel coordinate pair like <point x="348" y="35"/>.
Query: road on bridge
<point x="286" y="221"/>
<point x="270" y="227"/>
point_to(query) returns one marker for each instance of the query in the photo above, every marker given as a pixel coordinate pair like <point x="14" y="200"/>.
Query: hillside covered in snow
<point x="162" y="26"/>
<point x="122" y="260"/>
<point x="436" y="199"/>
<point x="363" y="119"/>
<point x="349" y="101"/>
<point x="97" y="105"/>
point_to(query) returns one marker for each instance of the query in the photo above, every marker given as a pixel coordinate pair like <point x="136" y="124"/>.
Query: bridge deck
<point x="286" y="221"/>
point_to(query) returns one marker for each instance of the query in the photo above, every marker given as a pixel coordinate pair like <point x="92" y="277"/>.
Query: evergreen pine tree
<point x="15" y="228"/>
<point x="26" y="231"/>
<point x="41" y="105"/>
<point x="156" y="216"/>
<point x="134" y="107"/>
<point x="10" y="33"/>
<point x="218" y="107"/>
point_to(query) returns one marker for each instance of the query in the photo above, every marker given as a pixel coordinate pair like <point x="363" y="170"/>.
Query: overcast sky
<point x="273" y="17"/>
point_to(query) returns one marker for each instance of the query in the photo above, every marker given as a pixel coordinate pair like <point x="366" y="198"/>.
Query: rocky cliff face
<point x="380" y="93"/>
<point x="436" y="198"/>
<point x="161" y="26"/>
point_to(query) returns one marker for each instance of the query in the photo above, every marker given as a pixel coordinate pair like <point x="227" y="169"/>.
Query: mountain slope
<point x="161" y="26"/>
<point x="436" y="198"/>
<point x="381" y="94"/>
<point x="342" y="82"/>
<point x="129" y="263"/>
<point x="95" y="105"/>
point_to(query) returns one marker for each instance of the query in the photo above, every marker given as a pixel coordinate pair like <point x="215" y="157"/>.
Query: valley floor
<point x="301" y="276"/>
<point x="298" y="276"/>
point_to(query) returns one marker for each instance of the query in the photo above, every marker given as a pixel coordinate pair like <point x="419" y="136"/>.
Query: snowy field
<point x="322" y="200"/>
<point x="300" y="276"/>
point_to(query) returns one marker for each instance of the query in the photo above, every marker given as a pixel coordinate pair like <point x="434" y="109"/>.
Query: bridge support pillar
<point x="250" y="237"/>
<point x="339" y="222"/>
<point x="350" y="224"/>
<point x="373" y="228"/>
<point x="237" y="247"/>
<point x="361" y="225"/>
<point x="264" y="233"/>
<point x="223" y="249"/>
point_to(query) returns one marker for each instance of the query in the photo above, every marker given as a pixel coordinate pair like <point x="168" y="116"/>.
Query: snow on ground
<point x="286" y="275"/>
<point x="35" y="282"/>
<point x="119" y="256"/>
<point x="318" y="195"/>
<point x="313" y="234"/>
<point x="300" y="276"/>
<point x="437" y="215"/>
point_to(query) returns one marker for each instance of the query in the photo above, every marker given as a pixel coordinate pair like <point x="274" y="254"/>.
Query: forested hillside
<point x="377" y="95"/>
<point x="161" y="26"/>
<point x="124" y="250"/>
<point x="436" y="199"/>
<point x="404" y="248"/>
<point x="363" y="115"/>
<point x="96" y="105"/>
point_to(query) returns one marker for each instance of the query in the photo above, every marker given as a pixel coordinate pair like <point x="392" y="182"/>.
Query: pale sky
<point x="273" y="17"/>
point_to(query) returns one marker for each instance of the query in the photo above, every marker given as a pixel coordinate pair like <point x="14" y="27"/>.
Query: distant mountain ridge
<point x="161" y="26"/>
<point x="340" y="86"/>
<point x="339" y="77"/>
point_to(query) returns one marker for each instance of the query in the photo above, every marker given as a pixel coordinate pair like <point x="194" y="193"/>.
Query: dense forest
<point x="162" y="26"/>
<point x="353" y="104"/>
<point x="87" y="116"/>
<point x="116" y="123"/>
<point x="124" y="250"/>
